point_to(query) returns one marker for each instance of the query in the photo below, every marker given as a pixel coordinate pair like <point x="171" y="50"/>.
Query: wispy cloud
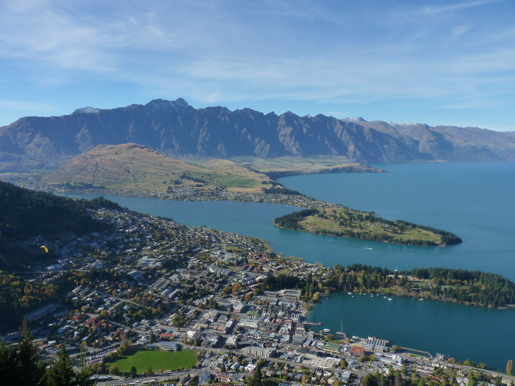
<point x="437" y="10"/>
<point x="26" y="105"/>
<point x="228" y="50"/>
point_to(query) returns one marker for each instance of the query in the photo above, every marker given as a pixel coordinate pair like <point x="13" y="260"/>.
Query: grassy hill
<point x="135" y="167"/>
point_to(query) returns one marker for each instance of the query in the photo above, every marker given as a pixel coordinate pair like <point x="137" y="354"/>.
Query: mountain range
<point x="177" y="129"/>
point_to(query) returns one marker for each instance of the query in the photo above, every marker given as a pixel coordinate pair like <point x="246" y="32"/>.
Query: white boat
<point x="390" y="299"/>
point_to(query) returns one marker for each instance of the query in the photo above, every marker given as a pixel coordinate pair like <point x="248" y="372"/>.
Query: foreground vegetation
<point x="22" y="365"/>
<point x="344" y="222"/>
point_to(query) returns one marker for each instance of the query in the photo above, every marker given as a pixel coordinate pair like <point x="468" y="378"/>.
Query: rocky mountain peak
<point x="165" y="105"/>
<point x="86" y="110"/>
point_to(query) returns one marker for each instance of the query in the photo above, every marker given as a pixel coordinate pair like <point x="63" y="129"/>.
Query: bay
<point x="462" y="332"/>
<point x="473" y="200"/>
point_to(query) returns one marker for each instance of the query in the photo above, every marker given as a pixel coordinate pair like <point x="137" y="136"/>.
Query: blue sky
<point x="436" y="62"/>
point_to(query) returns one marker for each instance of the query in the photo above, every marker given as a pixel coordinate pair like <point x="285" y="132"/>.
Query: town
<point x="224" y="303"/>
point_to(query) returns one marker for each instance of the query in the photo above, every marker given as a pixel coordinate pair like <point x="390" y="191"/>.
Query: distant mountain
<point x="177" y="129"/>
<point x="136" y="168"/>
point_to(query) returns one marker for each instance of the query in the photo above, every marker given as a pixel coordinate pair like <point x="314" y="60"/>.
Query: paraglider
<point x="44" y="248"/>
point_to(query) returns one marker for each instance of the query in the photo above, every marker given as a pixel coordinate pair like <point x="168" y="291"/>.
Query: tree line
<point x="444" y="284"/>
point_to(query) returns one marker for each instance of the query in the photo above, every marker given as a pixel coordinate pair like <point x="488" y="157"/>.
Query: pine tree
<point x="61" y="372"/>
<point x="21" y="365"/>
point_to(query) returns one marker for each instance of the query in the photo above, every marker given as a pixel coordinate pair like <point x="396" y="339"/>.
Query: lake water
<point x="463" y="332"/>
<point x="473" y="200"/>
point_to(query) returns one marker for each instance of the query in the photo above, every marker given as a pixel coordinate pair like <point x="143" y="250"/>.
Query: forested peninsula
<point x="345" y="222"/>
<point x="442" y="284"/>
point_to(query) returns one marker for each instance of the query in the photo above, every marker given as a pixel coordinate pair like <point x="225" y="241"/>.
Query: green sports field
<point x="158" y="360"/>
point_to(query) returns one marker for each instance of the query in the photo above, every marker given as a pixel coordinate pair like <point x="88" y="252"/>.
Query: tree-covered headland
<point x="442" y="284"/>
<point x="345" y="222"/>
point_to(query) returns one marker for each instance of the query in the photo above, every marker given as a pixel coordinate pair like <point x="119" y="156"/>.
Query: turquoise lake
<point x="473" y="200"/>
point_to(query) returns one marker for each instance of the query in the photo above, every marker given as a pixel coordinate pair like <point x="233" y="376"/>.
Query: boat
<point x="390" y="299"/>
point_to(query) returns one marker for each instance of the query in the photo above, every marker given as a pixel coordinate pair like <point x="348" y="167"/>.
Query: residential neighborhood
<point x="156" y="285"/>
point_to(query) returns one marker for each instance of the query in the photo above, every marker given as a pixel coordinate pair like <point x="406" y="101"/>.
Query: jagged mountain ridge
<point x="175" y="128"/>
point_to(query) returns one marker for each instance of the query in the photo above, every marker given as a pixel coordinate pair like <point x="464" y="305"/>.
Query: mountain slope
<point x="175" y="128"/>
<point x="135" y="167"/>
<point x="25" y="213"/>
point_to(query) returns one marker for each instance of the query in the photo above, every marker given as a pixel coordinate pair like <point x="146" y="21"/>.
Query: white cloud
<point x="25" y="106"/>
<point x="437" y="10"/>
<point x="288" y="50"/>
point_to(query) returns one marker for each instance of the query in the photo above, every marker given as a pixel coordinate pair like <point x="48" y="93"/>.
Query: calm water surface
<point x="480" y="334"/>
<point x="473" y="200"/>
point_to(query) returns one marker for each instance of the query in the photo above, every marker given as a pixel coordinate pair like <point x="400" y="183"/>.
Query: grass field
<point x="158" y="360"/>
<point x="333" y="221"/>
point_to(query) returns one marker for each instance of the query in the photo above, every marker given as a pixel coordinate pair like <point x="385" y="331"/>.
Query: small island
<point x="345" y="222"/>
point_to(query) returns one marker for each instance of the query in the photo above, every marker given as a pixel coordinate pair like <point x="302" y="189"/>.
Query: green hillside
<point x="131" y="167"/>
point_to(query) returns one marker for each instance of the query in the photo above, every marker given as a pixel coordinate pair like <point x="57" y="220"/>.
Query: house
<point x="357" y="351"/>
<point x="204" y="378"/>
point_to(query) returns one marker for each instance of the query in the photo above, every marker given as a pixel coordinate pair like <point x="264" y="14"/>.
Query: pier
<point x="428" y="354"/>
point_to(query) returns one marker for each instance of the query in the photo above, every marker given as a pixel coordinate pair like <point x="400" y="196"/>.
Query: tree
<point x="368" y="380"/>
<point x="257" y="377"/>
<point x="21" y="365"/>
<point x="113" y="370"/>
<point x="61" y="372"/>
<point x="134" y="372"/>
<point x="509" y="367"/>
<point x="149" y="371"/>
